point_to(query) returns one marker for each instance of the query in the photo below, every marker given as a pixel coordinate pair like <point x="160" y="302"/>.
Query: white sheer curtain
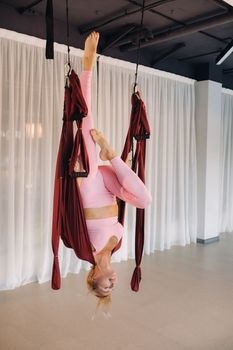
<point x="226" y="165"/>
<point x="31" y="111"/>
<point x="171" y="150"/>
<point x="31" y="106"/>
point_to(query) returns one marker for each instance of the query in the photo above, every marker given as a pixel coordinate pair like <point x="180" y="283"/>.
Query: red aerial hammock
<point x="68" y="214"/>
<point x="139" y="130"/>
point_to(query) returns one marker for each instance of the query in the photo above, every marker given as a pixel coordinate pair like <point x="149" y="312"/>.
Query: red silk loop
<point x="136" y="278"/>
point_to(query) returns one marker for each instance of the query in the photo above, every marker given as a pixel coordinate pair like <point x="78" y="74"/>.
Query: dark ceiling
<point x="180" y="36"/>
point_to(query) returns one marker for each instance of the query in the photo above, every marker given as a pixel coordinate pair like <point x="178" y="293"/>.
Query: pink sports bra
<point x="100" y="231"/>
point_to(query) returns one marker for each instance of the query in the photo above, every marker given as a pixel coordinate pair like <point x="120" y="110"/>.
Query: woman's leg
<point x="119" y="178"/>
<point x="87" y="124"/>
<point x="85" y="80"/>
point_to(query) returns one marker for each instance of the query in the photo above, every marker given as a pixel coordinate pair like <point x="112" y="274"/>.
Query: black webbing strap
<point x="68" y="32"/>
<point x="136" y="73"/>
<point x="139" y="45"/>
<point x="49" y="52"/>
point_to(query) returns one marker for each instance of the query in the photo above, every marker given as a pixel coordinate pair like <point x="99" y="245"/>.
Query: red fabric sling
<point x="139" y="129"/>
<point x="68" y="216"/>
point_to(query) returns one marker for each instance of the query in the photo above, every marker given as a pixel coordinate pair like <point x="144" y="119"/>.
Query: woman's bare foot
<point x="90" y="48"/>
<point x="106" y="152"/>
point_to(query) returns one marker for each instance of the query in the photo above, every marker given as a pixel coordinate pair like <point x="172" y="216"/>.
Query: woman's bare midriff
<point x="102" y="212"/>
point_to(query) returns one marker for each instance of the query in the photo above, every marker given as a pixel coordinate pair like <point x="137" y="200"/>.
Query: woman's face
<point x="105" y="281"/>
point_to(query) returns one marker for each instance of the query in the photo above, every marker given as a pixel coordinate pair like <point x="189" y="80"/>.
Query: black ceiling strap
<point x="139" y="45"/>
<point x="67" y="33"/>
<point x="49" y="30"/>
<point x="136" y="73"/>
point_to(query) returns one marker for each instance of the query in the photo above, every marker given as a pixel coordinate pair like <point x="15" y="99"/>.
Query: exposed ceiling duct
<point x="189" y="29"/>
<point x="179" y="36"/>
<point x="126" y="13"/>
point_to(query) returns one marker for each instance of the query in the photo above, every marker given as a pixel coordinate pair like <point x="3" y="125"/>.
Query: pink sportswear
<point x="105" y="182"/>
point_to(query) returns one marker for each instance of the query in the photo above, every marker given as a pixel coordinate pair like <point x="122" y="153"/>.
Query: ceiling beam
<point x="138" y="33"/>
<point x="177" y="33"/>
<point x="200" y="55"/>
<point x="168" y="53"/>
<point x="225" y="41"/>
<point x="23" y="9"/>
<point x="88" y="28"/>
<point x="228" y="71"/>
<point x="183" y="24"/>
<point x="115" y="40"/>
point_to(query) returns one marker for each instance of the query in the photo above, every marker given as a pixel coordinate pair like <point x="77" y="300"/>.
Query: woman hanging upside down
<point x="100" y="189"/>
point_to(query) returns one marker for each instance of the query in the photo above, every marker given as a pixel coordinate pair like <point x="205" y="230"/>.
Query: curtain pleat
<point x="226" y="165"/>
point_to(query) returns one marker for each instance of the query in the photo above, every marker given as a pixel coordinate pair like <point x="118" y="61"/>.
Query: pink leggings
<point x="105" y="182"/>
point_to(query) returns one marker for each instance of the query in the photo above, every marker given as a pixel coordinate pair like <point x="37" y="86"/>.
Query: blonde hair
<point x="104" y="300"/>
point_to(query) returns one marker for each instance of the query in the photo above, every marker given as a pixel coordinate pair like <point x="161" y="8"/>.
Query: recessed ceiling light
<point x="225" y="53"/>
<point x="230" y="2"/>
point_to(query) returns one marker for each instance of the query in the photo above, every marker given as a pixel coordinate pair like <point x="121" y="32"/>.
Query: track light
<point x="230" y="2"/>
<point x="225" y="53"/>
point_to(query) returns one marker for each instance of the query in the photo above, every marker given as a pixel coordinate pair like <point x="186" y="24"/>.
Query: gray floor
<point x="185" y="302"/>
